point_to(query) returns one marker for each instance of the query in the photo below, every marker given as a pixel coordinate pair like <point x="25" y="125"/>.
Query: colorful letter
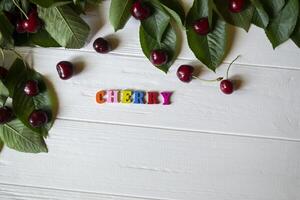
<point x="153" y="98"/>
<point x="167" y="97"/>
<point x="126" y="96"/>
<point x="112" y="96"/>
<point x="100" y="97"/>
<point x="139" y="97"/>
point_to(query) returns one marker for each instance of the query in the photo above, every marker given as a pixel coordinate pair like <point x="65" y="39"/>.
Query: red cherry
<point x="140" y="10"/>
<point x="31" y="88"/>
<point x="11" y="16"/>
<point x="101" y="45"/>
<point x="3" y="73"/>
<point x="226" y="86"/>
<point x="65" y="69"/>
<point x="158" y="57"/>
<point x="32" y="24"/>
<point x="185" y="73"/>
<point x="38" y="118"/>
<point x="236" y="6"/>
<point x="6" y="115"/>
<point x="201" y="26"/>
<point x="20" y="26"/>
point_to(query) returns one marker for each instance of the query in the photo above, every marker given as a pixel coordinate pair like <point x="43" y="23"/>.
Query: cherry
<point x="3" y="73"/>
<point x="31" y="88"/>
<point x="158" y="57"/>
<point x="20" y="26"/>
<point x="6" y="115"/>
<point x="101" y="45"/>
<point x="65" y="69"/>
<point x="226" y="86"/>
<point x="11" y="16"/>
<point x="236" y="6"/>
<point x="140" y="11"/>
<point x="38" y="118"/>
<point x="185" y="73"/>
<point x="201" y="26"/>
<point x="32" y="24"/>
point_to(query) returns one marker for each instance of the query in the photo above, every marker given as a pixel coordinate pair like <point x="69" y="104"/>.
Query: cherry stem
<point x="209" y="80"/>
<point x="227" y="73"/>
<point x="17" y="5"/>
<point x="3" y="57"/>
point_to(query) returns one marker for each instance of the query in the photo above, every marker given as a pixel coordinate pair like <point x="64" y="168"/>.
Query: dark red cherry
<point x="140" y="10"/>
<point x="3" y="73"/>
<point x="11" y="16"/>
<point x="101" y="45"/>
<point x="226" y="86"/>
<point x="201" y="26"/>
<point x="159" y="57"/>
<point x="185" y="73"/>
<point x="31" y="88"/>
<point x="65" y="69"/>
<point x="38" y="118"/>
<point x="20" y="26"/>
<point x="6" y="115"/>
<point x="236" y="6"/>
<point x="32" y="24"/>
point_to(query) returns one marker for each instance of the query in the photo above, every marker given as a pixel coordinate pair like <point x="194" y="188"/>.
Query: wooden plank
<point x="158" y="164"/>
<point x="265" y="105"/>
<point x="254" y="46"/>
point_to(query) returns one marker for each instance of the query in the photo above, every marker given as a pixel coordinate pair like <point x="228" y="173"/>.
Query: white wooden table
<point x="204" y="146"/>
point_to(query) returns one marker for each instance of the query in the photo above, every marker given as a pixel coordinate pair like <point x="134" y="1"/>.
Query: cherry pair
<point x="201" y="26"/>
<point x="37" y="118"/>
<point x="185" y="74"/>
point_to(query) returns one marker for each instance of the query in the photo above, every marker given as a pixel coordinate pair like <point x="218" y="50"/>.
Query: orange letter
<point x="100" y="97"/>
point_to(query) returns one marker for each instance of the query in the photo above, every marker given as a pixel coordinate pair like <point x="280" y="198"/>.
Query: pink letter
<point x="167" y="97"/>
<point x="112" y="96"/>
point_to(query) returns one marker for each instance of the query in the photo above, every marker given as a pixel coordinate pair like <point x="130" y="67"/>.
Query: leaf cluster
<point x="280" y="20"/>
<point x="18" y="134"/>
<point x="62" y="24"/>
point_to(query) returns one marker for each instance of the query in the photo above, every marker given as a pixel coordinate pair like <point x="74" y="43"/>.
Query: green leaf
<point x="282" y="26"/>
<point x="168" y="44"/>
<point x="175" y="6"/>
<point x="119" y="13"/>
<point x="260" y="16"/>
<point x="1" y="145"/>
<point x="241" y="19"/>
<point x="273" y="7"/>
<point x="17" y="136"/>
<point x="175" y="16"/>
<point x="157" y="23"/>
<point x="23" y="105"/>
<point x="210" y="49"/>
<point x="6" y="30"/>
<point x="94" y="2"/>
<point x="296" y="34"/>
<point x="43" y="39"/>
<point x="6" y="5"/>
<point x="65" y="26"/>
<point x="16" y="73"/>
<point x="51" y="3"/>
<point x="3" y="94"/>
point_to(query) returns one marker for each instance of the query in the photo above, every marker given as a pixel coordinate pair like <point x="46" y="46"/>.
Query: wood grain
<point x="204" y="146"/>
<point x="159" y="164"/>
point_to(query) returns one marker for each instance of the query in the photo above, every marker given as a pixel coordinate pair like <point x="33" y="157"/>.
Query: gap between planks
<point x="95" y="195"/>
<point x="187" y="131"/>
<point x="25" y="51"/>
